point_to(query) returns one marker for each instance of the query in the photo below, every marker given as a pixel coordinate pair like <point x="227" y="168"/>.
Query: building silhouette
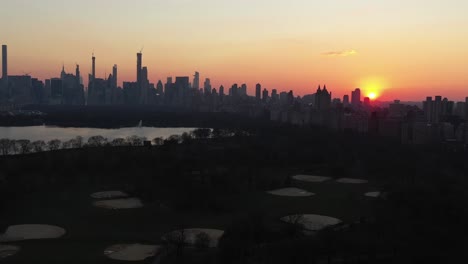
<point x="196" y="81"/>
<point x="207" y="87"/>
<point x="322" y="98"/>
<point x="5" y="90"/>
<point x="356" y="97"/>
<point x="258" y="92"/>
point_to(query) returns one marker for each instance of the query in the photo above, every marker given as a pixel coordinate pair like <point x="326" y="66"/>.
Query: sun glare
<point x="372" y="95"/>
<point x="373" y="87"/>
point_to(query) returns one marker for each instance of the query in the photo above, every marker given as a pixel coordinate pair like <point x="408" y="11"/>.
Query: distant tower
<point x="346" y="100"/>
<point x="114" y="75"/>
<point x="258" y="92"/>
<point x="196" y="81"/>
<point x="139" y="63"/>
<point x="356" y="97"/>
<point x="4" y="64"/>
<point x="265" y="95"/>
<point x="221" y="90"/>
<point x="94" y="68"/>
<point x="78" y="74"/>
<point x="207" y="86"/>
<point x="63" y="73"/>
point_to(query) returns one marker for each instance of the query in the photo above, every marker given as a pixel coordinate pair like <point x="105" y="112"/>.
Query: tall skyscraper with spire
<point x="139" y="67"/>
<point x="5" y="65"/>
<point x="196" y="81"/>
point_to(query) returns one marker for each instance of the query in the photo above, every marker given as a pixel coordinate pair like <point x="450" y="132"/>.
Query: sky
<point x="397" y="49"/>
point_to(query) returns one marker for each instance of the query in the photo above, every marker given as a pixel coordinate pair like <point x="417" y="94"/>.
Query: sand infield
<point x="373" y="194"/>
<point x="131" y="252"/>
<point x="28" y="232"/>
<point x="311" y="178"/>
<point x="109" y="195"/>
<point x="291" y="192"/>
<point x="351" y="181"/>
<point x="8" y="250"/>
<point x="129" y="203"/>
<point x="311" y="222"/>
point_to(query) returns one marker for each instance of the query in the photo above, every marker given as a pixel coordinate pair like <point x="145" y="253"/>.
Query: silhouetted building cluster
<point x="439" y="120"/>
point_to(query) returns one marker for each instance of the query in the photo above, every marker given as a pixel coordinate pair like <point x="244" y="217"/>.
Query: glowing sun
<point x="372" y="95"/>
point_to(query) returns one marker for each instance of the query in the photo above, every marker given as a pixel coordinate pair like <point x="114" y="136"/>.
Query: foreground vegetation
<point x="219" y="182"/>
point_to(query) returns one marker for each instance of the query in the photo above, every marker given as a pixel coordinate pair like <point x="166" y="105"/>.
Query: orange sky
<point x="397" y="49"/>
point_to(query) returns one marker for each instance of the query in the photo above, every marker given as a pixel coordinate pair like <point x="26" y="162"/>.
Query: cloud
<point x="343" y="53"/>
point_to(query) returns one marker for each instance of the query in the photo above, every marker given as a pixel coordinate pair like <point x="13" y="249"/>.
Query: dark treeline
<point x="128" y="116"/>
<point x="422" y="216"/>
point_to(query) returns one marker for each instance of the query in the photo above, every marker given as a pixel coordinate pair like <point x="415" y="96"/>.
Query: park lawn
<point x="90" y="230"/>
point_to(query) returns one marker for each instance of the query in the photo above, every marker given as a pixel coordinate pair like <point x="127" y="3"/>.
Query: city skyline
<point x="398" y="50"/>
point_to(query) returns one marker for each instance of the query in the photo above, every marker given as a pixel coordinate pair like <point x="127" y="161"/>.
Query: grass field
<point x="90" y="230"/>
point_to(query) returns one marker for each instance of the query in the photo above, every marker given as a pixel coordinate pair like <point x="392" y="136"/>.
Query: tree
<point x="202" y="240"/>
<point x="186" y="137"/>
<point x="96" y="141"/>
<point x="14" y="146"/>
<point x="77" y="142"/>
<point x="24" y="146"/>
<point x="38" y="146"/>
<point x="158" y="141"/>
<point x="54" y="144"/>
<point x="5" y="145"/>
<point x="202" y="133"/>
<point x="174" y="139"/>
<point x="67" y="144"/>
<point x="136" y="140"/>
<point x="118" y="142"/>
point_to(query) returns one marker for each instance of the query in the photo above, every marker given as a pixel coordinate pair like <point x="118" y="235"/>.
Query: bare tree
<point x="5" y="145"/>
<point x="24" y="146"/>
<point x="118" y="142"/>
<point x="38" y="146"/>
<point x="135" y="140"/>
<point x="174" y="139"/>
<point x="158" y="141"/>
<point x="186" y="137"/>
<point x="14" y="146"/>
<point x="77" y="142"/>
<point x="202" y="240"/>
<point x="202" y="133"/>
<point x="54" y="144"/>
<point x="96" y="141"/>
<point x="67" y="144"/>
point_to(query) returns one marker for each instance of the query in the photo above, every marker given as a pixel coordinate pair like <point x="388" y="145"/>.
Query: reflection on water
<point x="66" y="133"/>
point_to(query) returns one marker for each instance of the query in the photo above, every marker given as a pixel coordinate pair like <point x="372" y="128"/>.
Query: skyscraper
<point x="346" y="100"/>
<point x="356" y="97"/>
<point x="4" y="64"/>
<point x="114" y="76"/>
<point x="265" y="95"/>
<point x="196" y="81"/>
<point x="207" y="86"/>
<point x="258" y="92"/>
<point x="139" y="65"/>
<point x="94" y="67"/>
<point x="221" y="90"/>
<point x="78" y="74"/>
